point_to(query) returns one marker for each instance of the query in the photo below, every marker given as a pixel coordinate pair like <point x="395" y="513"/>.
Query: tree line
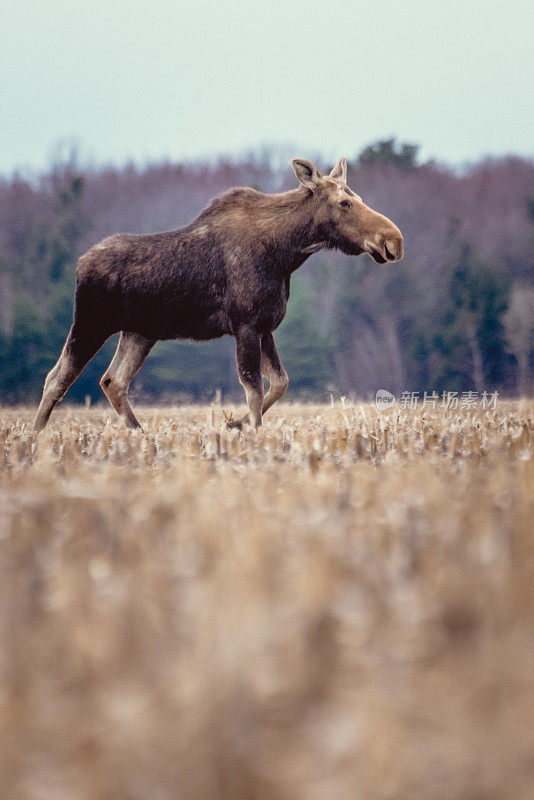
<point x="456" y="315"/>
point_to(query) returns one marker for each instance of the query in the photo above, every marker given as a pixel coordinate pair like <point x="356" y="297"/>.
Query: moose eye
<point x="345" y="204"/>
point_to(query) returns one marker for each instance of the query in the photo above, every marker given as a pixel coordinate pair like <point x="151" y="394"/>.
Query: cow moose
<point x="227" y="272"/>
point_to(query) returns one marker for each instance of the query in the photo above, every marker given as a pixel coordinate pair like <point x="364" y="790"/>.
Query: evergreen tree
<point x="470" y="341"/>
<point x="23" y="354"/>
<point x="189" y="371"/>
<point x="306" y="355"/>
<point x="388" y="151"/>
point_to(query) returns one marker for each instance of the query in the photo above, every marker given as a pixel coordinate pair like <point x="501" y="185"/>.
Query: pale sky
<point x="133" y="79"/>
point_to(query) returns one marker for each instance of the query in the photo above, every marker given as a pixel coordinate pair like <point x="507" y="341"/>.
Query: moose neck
<point x="287" y="225"/>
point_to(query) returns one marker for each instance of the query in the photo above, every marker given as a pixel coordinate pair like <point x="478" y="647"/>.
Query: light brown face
<point x="344" y="220"/>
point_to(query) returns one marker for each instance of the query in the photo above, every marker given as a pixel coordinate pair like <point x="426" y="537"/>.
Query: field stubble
<point x="340" y="606"/>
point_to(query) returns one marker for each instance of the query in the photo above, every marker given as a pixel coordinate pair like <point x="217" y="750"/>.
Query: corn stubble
<point x="340" y="606"/>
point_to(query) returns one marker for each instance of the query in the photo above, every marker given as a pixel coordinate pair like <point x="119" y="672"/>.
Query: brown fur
<point x="227" y="272"/>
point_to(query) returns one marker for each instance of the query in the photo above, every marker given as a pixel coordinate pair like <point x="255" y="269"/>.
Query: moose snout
<point x="393" y="246"/>
<point x="385" y="247"/>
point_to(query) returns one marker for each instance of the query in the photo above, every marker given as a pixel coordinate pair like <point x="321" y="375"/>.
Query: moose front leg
<point x="273" y="369"/>
<point x="248" y="356"/>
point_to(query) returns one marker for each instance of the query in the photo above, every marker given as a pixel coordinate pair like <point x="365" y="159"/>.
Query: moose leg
<point x="78" y="349"/>
<point x="248" y="356"/>
<point x="129" y="357"/>
<point x="273" y="370"/>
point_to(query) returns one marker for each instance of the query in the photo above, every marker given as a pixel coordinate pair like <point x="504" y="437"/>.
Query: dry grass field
<point x="340" y="607"/>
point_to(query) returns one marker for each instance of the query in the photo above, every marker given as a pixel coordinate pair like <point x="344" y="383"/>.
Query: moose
<point x="227" y="272"/>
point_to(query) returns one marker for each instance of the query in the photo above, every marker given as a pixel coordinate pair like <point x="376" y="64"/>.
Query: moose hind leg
<point x="129" y="357"/>
<point x="77" y="351"/>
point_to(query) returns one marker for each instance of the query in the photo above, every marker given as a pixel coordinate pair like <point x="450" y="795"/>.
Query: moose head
<point x="342" y="219"/>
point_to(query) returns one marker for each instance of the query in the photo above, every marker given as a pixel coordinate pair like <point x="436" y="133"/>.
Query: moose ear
<point x="307" y="173"/>
<point x="340" y="170"/>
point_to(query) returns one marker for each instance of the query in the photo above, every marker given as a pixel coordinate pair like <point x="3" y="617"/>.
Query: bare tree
<point x="519" y="326"/>
<point x="470" y="324"/>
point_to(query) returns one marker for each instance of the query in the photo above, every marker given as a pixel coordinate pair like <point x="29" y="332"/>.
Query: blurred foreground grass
<point x="338" y="607"/>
